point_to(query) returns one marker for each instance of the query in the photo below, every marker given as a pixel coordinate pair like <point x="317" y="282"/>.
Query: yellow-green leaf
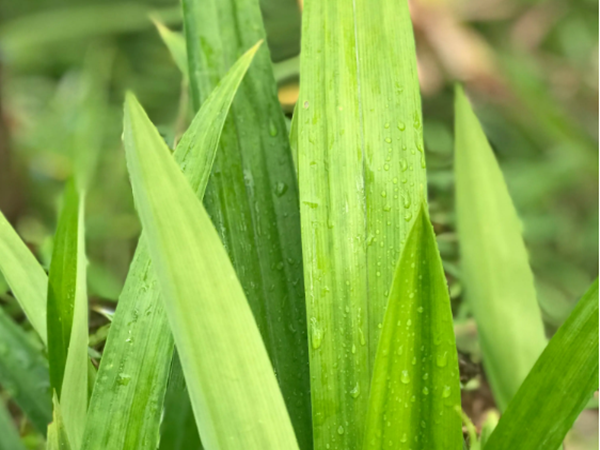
<point x="236" y="400"/>
<point x="360" y="173"/>
<point x="415" y="391"/>
<point x="498" y="281"/>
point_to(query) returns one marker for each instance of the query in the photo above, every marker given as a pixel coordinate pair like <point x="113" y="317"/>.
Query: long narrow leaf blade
<point x="498" y="280"/>
<point x="67" y="316"/>
<point x="62" y="281"/>
<point x="557" y="388"/>
<point x="360" y="171"/>
<point x="24" y="275"/>
<point x="252" y="197"/>
<point x="58" y="438"/>
<point x="415" y="391"/>
<point x="125" y="407"/>
<point x="24" y="373"/>
<point x="233" y="389"/>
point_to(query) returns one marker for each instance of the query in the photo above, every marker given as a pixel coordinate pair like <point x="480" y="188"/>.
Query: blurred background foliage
<point x="530" y="67"/>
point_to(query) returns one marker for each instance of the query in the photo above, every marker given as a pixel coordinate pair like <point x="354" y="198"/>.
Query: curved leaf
<point x="214" y="330"/>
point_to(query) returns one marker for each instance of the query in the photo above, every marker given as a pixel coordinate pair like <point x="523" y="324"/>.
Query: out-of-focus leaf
<point x="26" y="36"/>
<point x="10" y="439"/>
<point x="175" y="42"/>
<point x="24" y="275"/>
<point x="415" y="390"/>
<point x="178" y="427"/>
<point x="360" y="171"/>
<point x="67" y="315"/>
<point x="496" y="274"/>
<point x="557" y="388"/>
<point x="252" y="197"/>
<point x="282" y="20"/>
<point x="58" y="438"/>
<point x="24" y="373"/>
<point x="218" y="341"/>
<point x="125" y="407"/>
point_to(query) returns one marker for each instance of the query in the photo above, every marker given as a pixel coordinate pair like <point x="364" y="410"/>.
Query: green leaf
<point x="24" y="373"/>
<point x="58" y="438"/>
<point x="25" y="276"/>
<point x="67" y="315"/>
<point x="252" y="197"/>
<point x="361" y="173"/>
<point x="10" y="436"/>
<point x="232" y="386"/>
<point x="557" y="388"/>
<point x="175" y="42"/>
<point x="496" y="274"/>
<point x="178" y="427"/>
<point x="415" y="390"/>
<point x="125" y="407"/>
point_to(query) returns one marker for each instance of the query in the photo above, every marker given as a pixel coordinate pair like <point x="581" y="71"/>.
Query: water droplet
<point x="312" y="205"/>
<point x="406" y="200"/>
<point x="306" y="104"/>
<point x="123" y="379"/>
<point x="387" y="208"/>
<point x="403" y="439"/>
<point x="442" y="359"/>
<point x="355" y="392"/>
<point x="425" y="391"/>
<point x="420" y="309"/>
<point x="353" y="349"/>
<point x="387" y="125"/>
<point x="386" y="167"/>
<point x="316" y="333"/>
<point x="340" y="430"/>
<point x="446" y="392"/>
<point x="388" y="140"/>
<point x="425" y="376"/>
<point x="272" y="129"/>
<point x="401" y="126"/>
<point x="403" y="165"/>
<point x="280" y="188"/>
<point x="400" y="350"/>
<point x="405" y="377"/>
<point x="408" y="216"/>
<point x="383" y="194"/>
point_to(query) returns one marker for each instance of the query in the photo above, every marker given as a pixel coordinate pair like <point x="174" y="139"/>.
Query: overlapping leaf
<point x="232" y="387"/>
<point x="360" y="170"/>
<point x="415" y="391"/>
<point x="557" y="388"/>
<point x="252" y="197"/>
<point x="125" y="407"/>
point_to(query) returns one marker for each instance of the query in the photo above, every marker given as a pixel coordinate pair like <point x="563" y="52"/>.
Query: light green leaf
<point x="67" y="315"/>
<point x="24" y="275"/>
<point x="498" y="280"/>
<point x="175" y="42"/>
<point x="232" y="387"/>
<point x="252" y="197"/>
<point x="10" y="436"/>
<point x="415" y="390"/>
<point x="125" y="407"/>
<point x="557" y="388"/>
<point x="58" y="438"/>
<point x="24" y="373"/>
<point x="360" y="171"/>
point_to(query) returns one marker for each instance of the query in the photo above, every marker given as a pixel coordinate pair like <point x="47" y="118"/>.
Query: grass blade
<point x="175" y="42"/>
<point x="25" y="276"/>
<point x="415" y="391"/>
<point x="67" y="316"/>
<point x="58" y="438"/>
<point x="498" y="279"/>
<point x="360" y="171"/>
<point x="125" y="407"/>
<point x="557" y="388"/>
<point x="10" y="436"/>
<point x="218" y="340"/>
<point x="252" y="197"/>
<point x="24" y="373"/>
